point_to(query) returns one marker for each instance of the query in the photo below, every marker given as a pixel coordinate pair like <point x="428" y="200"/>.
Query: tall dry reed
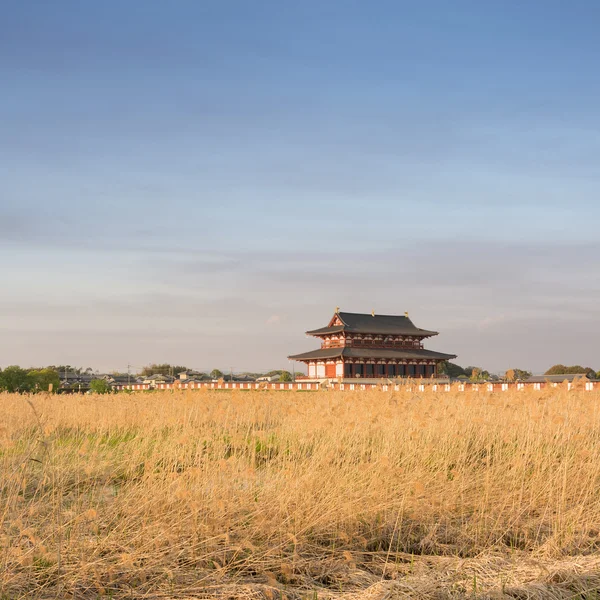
<point x="266" y="494"/>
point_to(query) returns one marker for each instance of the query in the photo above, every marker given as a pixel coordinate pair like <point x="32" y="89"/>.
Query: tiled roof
<point x="375" y="324"/>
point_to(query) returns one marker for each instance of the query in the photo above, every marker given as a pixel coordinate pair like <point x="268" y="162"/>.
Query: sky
<point x="200" y="182"/>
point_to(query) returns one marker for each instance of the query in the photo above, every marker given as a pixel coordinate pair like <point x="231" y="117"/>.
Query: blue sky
<point x="201" y="182"/>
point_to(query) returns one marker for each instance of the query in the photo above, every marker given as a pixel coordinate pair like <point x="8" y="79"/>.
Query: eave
<point x="372" y="353"/>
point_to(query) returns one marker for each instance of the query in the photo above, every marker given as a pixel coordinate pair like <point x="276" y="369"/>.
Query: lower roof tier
<point x="373" y="353"/>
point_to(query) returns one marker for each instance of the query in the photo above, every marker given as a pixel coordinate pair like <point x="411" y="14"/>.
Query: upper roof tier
<point x="374" y="324"/>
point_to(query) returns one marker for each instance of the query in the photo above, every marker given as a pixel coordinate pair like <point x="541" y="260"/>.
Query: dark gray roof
<point x="374" y="353"/>
<point x="326" y="330"/>
<point x="378" y="324"/>
<point x="158" y="377"/>
<point x="121" y="378"/>
<point x="77" y="376"/>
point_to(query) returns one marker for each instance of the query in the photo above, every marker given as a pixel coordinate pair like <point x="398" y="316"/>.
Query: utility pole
<point x="128" y="374"/>
<point x="231" y="374"/>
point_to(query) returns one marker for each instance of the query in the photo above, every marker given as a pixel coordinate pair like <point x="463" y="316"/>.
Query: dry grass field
<point x="375" y="495"/>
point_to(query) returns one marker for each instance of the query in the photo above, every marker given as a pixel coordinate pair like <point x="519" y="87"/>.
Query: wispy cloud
<point x="494" y="304"/>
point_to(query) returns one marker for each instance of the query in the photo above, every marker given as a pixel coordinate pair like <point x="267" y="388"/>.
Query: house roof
<point x="77" y="376"/>
<point x="374" y="353"/>
<point x="377" y="324"/>
<point x="159" y="377"/>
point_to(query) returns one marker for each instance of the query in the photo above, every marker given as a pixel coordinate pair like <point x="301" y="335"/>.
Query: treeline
<point x="52" y="379"/>
<point x="174" y="370"/>
<point x="472" y="373"/>
<point x="48" y="379"/>
<point x="16" y="379"/>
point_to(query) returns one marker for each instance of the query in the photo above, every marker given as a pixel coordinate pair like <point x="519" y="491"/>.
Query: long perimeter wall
<point x="350" y="387"/>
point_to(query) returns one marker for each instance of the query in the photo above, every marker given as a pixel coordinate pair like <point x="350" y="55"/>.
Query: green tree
<point x="43" y="380"/>
<point x="14" y="379"/>
<point x="451" y="369"/>
<point x="99" y="386"/>
<point x="517" y="375"/>
<point x="556" y="370"/>
<point x="216" y="374"/>
<point x="476" y="374"/>
<point x="522" y="374"/>
<point x="285" y="376"/>
<point x="572" y="370"/>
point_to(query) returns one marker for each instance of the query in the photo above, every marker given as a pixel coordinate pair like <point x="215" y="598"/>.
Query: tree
<point x="43" y="380"/>
<point x="517" y="375"/>
<point x="285" y="376"/>
<point x="475" y="374"/>
<point x="573" y="370"/>
<point x="522" y="374"/>
<point x="216" y="374"/>
<point x="99" y="386"/>
<point x="556" y="370"/>
<point x="14" y="379"/>
<point x="450" y="369"/>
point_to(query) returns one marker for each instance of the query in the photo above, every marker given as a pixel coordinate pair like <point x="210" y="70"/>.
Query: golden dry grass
<point x="199" y="494"/>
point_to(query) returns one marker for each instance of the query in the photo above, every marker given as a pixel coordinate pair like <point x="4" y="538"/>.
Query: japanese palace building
<point x="371" y="346"/>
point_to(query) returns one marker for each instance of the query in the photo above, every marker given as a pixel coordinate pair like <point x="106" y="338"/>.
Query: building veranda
<point x="355" y="345"/>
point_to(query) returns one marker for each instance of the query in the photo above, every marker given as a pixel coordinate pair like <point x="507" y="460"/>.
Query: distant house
<point x="269" y="378"/>
<point x="75" y="382"/>
<point x="158" y="378"/>
<point x="243" y="377"/>
<point x="123" y="379"/>
<point x="196" y="375"/>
